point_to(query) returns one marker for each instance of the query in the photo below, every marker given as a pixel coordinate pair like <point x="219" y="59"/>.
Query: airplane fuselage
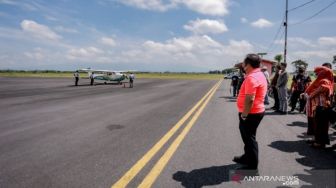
<point x="112" y="77"/>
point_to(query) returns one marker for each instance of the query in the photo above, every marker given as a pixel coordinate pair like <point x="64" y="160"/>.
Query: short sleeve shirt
<point x="235" y="80"/>
<point x="255" y="83"/>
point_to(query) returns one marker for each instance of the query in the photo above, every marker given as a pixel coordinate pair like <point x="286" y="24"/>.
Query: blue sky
<point x="159" y="35"/>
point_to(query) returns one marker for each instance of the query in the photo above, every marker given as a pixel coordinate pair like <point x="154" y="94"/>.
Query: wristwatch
<point x="243" y="117"/>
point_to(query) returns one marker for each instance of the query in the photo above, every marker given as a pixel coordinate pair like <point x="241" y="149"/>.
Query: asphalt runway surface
<point x="53" y="134"/>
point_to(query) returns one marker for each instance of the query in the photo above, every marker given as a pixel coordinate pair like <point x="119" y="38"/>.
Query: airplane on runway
<point x="107" y="75"/>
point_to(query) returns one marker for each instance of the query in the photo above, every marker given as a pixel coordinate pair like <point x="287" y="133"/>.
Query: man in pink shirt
<point x="251" y="109"/>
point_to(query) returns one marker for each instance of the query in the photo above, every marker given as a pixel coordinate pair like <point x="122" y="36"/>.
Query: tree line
<point x="278" y="58"/>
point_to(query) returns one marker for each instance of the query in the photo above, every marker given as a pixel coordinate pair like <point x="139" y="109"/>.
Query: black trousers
<point x="76" y="82"/>
<point x="235" y="90"/>
<point x="248" y="131"/>
<point x="295" y="97"/>
<point x="276" y="98"/>
<point x="322" y="125"/>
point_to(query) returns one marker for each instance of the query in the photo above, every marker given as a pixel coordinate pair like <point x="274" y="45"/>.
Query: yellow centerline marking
<point x="159" y="166"/>
<point x="136" y="168"/>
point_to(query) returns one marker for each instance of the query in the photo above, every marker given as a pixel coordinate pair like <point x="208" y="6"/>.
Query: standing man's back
<point x="131" y="79"/>
<point x="76" y="75"/>
<point x="251" y="109"/>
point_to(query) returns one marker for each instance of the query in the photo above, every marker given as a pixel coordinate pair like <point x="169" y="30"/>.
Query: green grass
<point x="37" y="74"/>
<point x="193" y="76"/>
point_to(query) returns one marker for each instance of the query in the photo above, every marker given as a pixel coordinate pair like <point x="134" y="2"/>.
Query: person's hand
<point x="243" y="117"/>
<point x="302" y="95"/>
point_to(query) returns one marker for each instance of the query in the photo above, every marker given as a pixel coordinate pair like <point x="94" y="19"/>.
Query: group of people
<point x="279" y="89"/>
<point x="315" y="100"/>
<point x="76" y="76"/>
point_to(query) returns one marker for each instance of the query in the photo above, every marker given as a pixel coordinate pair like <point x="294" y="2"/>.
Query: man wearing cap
<point x="251" y="109"/>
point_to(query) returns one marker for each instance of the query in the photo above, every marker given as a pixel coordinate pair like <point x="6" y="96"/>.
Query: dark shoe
<point x="310" y="141"/>
<point x="318" y="146"/>
<point x="246" y="167"/>
<point x="239" y="160"/>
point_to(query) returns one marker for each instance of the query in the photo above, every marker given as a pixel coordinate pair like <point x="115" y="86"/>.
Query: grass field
<point x="194" y="76"/>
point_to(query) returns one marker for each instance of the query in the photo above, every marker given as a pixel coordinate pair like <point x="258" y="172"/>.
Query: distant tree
<point x="215" y="72"/>
<point x="278" y="58"/>
<point x="229" y="70"/>
<point x="300" y="63"/>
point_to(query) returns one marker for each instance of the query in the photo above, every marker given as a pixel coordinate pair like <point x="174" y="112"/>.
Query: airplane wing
<point x="108" y="71"/>
<point x="127" y="71"/>
<point x="95" y="70"/>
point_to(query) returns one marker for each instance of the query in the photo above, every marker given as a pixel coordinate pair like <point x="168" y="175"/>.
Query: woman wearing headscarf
<point x="318" y="101"/>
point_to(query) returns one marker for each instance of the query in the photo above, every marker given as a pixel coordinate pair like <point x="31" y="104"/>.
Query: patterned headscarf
<point x="325" y="79"/>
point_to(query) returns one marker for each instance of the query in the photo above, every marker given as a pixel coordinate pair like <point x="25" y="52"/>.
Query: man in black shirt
<point x="299" y="85"/>
<point x="234" y="84"/>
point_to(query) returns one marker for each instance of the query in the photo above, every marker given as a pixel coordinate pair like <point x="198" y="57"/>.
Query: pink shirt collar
<point x="254" y="71"/>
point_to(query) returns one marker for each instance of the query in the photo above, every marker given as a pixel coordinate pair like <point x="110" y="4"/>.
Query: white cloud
<point x="206" y="26"/>
<point x="51" y="18"/>
<point x="38" y="30"/>
<point x="297" y="42"/>
<point x="85" y="54"/>
<point x="315" y="53"/>
<point x="181" y="45"/>
<point x="37" y="54"/>
<point x="327" y="41"/>
<point x="65" y="30"/>
<point x="196" y="51"/>
<point x="210" y="7"/>
<point x="156" y="5"/>
<point x="243" y="20"/>
<point x="108" y="41"/>
<point x="238" y="48"/>
<point x="262" y="23"/>
<point x="32" y="6"/>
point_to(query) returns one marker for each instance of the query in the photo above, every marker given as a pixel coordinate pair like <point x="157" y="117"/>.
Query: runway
<point x="53" y="134"/>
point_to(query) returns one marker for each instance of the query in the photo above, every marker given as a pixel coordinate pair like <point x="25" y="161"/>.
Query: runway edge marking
<point x="160" y="165"/>
<point x="137" y="167"/>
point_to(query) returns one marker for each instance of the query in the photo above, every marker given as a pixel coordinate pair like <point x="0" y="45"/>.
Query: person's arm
<point x="293" y="84"/>
<point x="286" y="80"/>
<point x="249" y="99"/>
<point x="280" y="81"/>
<point x="250" y="92"/>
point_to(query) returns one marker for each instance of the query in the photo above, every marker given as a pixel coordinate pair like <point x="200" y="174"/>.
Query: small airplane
<point x="107" y="75"/>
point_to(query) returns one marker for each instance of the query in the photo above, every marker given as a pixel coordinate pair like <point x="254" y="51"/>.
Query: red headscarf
<point x="325" y="79"/>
